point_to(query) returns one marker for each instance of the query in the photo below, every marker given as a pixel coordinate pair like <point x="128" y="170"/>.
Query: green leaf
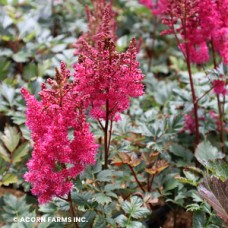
<point x="199" y="219"/>
<point x="105" y="175"/>
<point x="81" y="198"/>
<point x="49" y="208"/>
<point x="8" y="93"/>
<point x="134" y="208"/>
<point x="219" y="168"/>
<point x="9" y="178"/>
<point x="21" y="57"/>
<point x="205" y="152"/>
<point x="121" y="220"/>
<point x="181" y="152"/>
<point x="14" y="207"/>
<point x="190" y="175"/>
<point x="171" y="183"/>
<point x="186" y="181"/>
<point x="10" y="138"/>
<point x="30" y="71"/>
<point x="89" y="215"/>
<point x="122" y="127"/>
<point x="134" y="224"/>
<point x="193" y="207"/>
<point x="215" y="192"/>
<point x="4" y="67"/>
<point x="20" y="152"/>
<point x="102" y="199"/>
<point x="58" y="48"/>
<point x="99" y="222"/>
<point x="4" y="154"/>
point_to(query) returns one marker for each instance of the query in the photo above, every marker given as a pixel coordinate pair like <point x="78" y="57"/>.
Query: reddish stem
<point x="151" y="183"/>
<point x="72" y="210"/>
<point x="195" y="100"/>
<point x="187" y="57"/>
<point x="106" y="139"/>
<point x="136" y="178"/>
<point x="220" y="109"/>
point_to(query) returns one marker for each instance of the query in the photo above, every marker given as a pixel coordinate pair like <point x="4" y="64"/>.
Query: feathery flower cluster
<point x="219" y="87"/>
<point x="57" y="158"/>
<point x="189" y="124"/>
<point x="157" y="7"/>
<point x="108" y="77"/>
<point x="198" y="22"/>
<point x="95" y="19"/>
<point x="215" y="118"/>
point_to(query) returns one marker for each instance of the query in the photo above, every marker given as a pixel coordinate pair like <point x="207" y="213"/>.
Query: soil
<point x="183" y="219"/>
<point x="11" y="191"/>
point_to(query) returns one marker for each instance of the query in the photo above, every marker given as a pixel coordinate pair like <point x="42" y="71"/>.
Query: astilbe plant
<point x="198" y="22"/>
<point x="197" y="25"/>
<point x="56" y="158"/>
<point x="108" y="78"/>
<point x="95" y="19"/>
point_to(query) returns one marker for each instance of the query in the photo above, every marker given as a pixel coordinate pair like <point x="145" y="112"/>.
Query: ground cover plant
<point x="113" y="113"/>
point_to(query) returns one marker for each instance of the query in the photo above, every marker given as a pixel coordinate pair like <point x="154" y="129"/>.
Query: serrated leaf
<point x="89" y="215"/>
<point x="8" y="93"/>
<point x="9" y="178"/>
<point x="181" y="152"/>
<point x="199" y="219"/>
<point x="4" y="154"/>
<point x="102" y="199"/>
<point x="215" y="192"/>
<point x="81" y="198"/>
<point x="126" y="158"/>
<point x="20" y="57"/>
<point x="219" y="168"/>
<point x="205" y="152"/>
<point x="190" y="175"/>
<point x="134" y="208"/>
<point x="186" y="181"/>
<point x="59" y="48"/>
<point x="99" y="222"/>
<point x="193" y="207"/>
<point x="105" y="175"/>
<point x="10" y="138"/>
<point x="121" y="220"/>
<point x="158" y="167"/>
<point x="48" y="208"/>
<point x="14" y="207"/>
<point x="171" y="183"/>
<point x="135" y="224"/>
<point x="20" y="152"/>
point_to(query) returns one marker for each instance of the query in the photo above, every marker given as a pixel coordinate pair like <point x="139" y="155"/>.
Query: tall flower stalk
<point x="108" y="78"/>
<point x="195" y="24"/>
<point x="180" y="17"/>
<point x="220" y="104"/>
<point x="57" y="157"/>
